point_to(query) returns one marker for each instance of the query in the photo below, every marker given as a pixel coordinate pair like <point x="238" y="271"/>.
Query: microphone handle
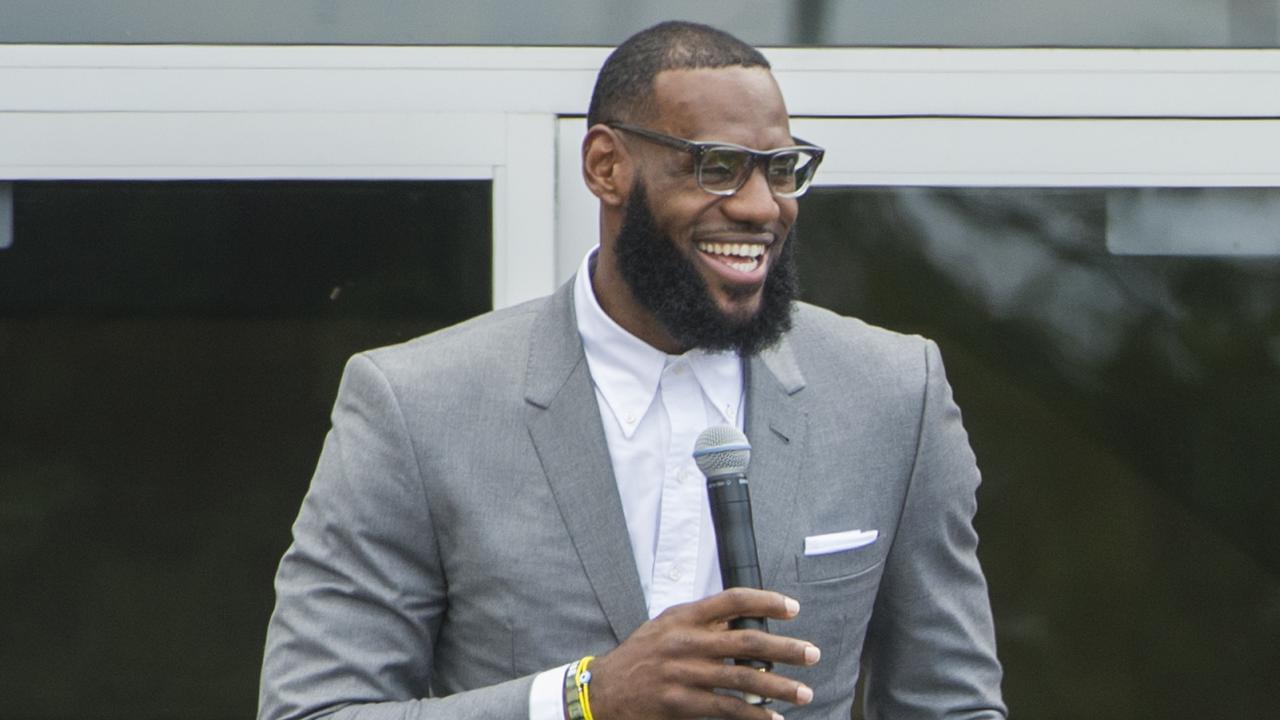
<point x="736" y="545"/>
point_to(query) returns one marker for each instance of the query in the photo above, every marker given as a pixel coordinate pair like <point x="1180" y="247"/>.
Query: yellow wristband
<point x="583" y="681"/>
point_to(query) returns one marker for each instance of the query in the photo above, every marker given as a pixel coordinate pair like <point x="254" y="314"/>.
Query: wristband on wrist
<point x="577" y="690"/>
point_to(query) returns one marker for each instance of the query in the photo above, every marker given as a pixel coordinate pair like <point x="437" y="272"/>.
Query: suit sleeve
<point x="361" y="592"/>
<point x="930" y="649"/>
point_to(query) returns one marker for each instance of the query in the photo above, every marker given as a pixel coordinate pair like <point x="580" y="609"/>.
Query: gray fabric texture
<point x="463" y="529"/>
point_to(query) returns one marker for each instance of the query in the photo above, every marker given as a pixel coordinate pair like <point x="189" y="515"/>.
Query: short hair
<point x="624" y="87"/>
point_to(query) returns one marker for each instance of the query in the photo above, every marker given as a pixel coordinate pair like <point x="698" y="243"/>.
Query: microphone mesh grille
<point x="721" y="450"/>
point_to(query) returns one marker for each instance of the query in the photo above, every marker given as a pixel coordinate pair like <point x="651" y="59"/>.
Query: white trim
<point x="1031" y="152"/>
<point x="139" y="145"/>
<point x="524" y="212"/>
<point x="816" y="81"/>
<point x="251" y="172"/>
<point x="577" y="210"/>
<point x="451" y="57"/>
<point x="295" y="79"/>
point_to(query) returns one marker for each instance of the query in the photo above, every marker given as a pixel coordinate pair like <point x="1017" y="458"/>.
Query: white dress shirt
<point x="653" y="406"/>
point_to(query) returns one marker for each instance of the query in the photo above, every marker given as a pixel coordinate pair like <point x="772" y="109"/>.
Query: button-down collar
<point x="626" y="370"/>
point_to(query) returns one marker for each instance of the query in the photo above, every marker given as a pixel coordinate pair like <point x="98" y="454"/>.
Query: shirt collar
<point x="626" y="370"/>
<point x="720" y="375"/>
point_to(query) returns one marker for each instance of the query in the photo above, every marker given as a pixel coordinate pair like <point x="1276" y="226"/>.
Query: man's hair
<point x="624" y="87"/>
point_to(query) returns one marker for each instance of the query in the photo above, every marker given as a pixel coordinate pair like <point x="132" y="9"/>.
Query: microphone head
<point x="722" y="450"/>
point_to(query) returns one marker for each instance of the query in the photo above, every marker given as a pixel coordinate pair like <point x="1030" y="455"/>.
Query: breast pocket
<point x="842" y="565"/>
<point x="837" y="592"/>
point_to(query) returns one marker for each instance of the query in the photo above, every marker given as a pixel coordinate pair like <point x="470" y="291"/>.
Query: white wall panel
<point x="139" y="145"/>
<point x="1031" y="152"/>
<point x="826" y="81"/>
<point x="524" y="206"/>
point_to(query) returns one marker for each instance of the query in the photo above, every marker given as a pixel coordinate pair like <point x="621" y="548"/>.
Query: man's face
<point x="710" y="268"/>
<point x="731" y="242"/>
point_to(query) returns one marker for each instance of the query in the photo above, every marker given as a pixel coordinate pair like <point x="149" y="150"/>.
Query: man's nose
<point x="754" y="202"/>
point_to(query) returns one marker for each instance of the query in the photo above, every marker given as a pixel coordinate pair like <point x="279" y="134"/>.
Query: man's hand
<point x="670" y="666"/>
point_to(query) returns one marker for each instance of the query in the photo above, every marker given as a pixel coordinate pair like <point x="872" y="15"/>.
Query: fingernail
<point x="776" y="716"/>
<point x="793" y="606"/>
<point x="804" y="694"/>
<point x="812" y="654"/>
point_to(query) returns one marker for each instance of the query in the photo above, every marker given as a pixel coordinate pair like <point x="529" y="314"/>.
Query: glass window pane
<point x="169" y="353"/>
<point x="6" y="215"/>
<point x="1033" y="23"/>
<point x="1125" y="410"/>
<point x="1194" y="221"/>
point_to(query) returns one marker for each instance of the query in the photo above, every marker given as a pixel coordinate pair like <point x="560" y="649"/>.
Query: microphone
<point x="722" y="454"/>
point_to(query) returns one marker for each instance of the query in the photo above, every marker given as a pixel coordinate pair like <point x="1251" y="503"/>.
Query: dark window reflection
<point x="1126" y="413"/>
<point x="169" y="353"/>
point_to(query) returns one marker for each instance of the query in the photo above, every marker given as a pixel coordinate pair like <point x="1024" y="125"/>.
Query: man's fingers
<point x="685" y="654"/>
<point x="756" y="645"/>
<point x="743" y="679"/>
<point x="742" y="602"/>
<point x="686" y="701"/>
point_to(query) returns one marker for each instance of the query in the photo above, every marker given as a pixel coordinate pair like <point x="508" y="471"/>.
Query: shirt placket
<point x="681" y="507"/>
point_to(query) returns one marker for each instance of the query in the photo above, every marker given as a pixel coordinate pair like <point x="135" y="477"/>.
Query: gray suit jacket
<point x="463" y="530"/>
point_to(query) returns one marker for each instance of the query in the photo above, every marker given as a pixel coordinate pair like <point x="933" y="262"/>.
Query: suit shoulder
<point x="852" y="374"/>
<point x="822" y="329"/>
<point x="470" y="347"/>
<point x="833" y="350"/>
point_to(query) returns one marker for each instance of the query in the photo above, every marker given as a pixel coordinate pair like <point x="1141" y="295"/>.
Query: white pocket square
<point x="835" y="542"/>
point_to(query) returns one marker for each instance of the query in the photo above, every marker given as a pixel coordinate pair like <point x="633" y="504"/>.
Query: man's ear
<point x="606" y="166"/>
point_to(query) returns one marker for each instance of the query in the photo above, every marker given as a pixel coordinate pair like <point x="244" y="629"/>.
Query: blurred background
<point x="980" y="23"/>
<point x="170" y="347"/>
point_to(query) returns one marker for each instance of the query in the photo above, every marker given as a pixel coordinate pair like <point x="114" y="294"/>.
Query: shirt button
<point x="630" y="418"/>
<point x="678" y="369"/>
<point x="674" y="574"/>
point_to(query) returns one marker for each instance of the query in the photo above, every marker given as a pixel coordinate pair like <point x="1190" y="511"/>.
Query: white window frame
<point x="513" y="115"/>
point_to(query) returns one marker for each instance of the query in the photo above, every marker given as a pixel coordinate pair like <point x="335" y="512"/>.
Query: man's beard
<point x="667" y="285"/>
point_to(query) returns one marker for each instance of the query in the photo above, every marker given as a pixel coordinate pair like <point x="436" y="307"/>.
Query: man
<point x="516" y="493"/>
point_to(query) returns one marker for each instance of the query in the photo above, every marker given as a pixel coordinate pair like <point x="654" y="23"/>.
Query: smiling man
<point x="506" y="520"/>
<point x="710" y="267"/>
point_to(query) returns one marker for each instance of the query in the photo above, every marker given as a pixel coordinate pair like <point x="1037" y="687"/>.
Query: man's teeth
<point x="750" y="252"/>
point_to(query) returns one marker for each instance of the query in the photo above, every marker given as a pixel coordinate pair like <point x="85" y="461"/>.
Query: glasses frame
<point x="699" y="150"/>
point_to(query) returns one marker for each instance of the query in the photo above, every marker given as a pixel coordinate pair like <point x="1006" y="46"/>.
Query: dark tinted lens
<point x="722" y="169"/>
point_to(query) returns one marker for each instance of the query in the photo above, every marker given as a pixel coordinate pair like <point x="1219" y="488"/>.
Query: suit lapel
<point x="777" y="429"/>
<point x="564" y="424"/>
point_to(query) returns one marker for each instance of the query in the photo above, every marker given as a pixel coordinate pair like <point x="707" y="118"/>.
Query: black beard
<point x="666" y="284"/>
